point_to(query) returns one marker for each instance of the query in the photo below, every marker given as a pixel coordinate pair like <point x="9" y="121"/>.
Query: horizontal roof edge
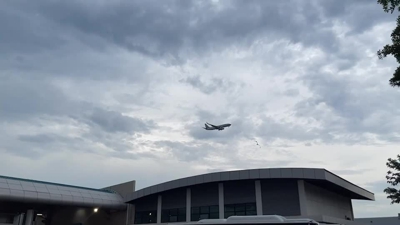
<point x="57" y="184"/>
<point x="348" y="181"/>
<point x="313" y="173"/>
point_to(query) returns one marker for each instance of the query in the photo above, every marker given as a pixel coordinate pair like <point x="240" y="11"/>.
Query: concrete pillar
<point x="19" y="219"/>
<point x="258" y="197"/>
<point x="130" y="214"/>
<point x="133" y="216"/>
<point x="352" y="211"/>
<point x="302" y="198"/>
<point x="127" y="220"/>
<point x="16" y="219"/>
<point x="188" y="204"/>
<point x="221" y="203"/>
<point x="29" y="217"/>
<point x="159" y="203"/>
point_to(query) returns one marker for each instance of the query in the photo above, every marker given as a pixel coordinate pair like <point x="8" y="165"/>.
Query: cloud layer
<point x="120" y="90"/>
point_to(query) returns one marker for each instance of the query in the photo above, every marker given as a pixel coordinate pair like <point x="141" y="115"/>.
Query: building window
<point x="146" y="217"/>
<point x="240" y="209"/>
<point x="205" y="212"/>
<point x="173" y="215"/>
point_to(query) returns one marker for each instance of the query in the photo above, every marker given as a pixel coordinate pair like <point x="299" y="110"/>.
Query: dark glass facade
<point x="173" y="215"/>
<point x="243" y="209"/>
<point x="146" y="217"/>
<point x="205" y="212"/>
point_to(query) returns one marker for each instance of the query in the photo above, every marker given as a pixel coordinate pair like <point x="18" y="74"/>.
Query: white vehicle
<point x="254" y="220"/>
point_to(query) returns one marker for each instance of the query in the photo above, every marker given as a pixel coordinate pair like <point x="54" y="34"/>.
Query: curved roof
<point x="319" y="177"/>
<point x="31" y="191"/>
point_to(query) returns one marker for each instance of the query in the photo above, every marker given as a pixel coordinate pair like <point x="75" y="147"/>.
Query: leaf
<point x="393" y="178"/>
<point x="394" y="48"/>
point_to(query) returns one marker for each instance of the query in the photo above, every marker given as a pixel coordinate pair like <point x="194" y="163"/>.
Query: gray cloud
<point x="23" y="98"/>
<point x="291" y="92"/>
<point x="341" y="107"/>
<point x="158" y="31"/>
<point x="215" y="84"/>
<point x="112" y="121"/>
<point x="186" y="151"/>
<point x="377" y="186"/>
<point x="271" y="129"/>
<point x="95" y="142"/>
<point x="174" y="27"/>
<point x="359" y="14"/>
<point x="41" y="138"/>
<point x="344" y="172"/>
<point x="39" y="104"/>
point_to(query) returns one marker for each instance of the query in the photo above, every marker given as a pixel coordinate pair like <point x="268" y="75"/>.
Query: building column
<point x="159" y="203"/>
<point x="258" y="197"/>
<point x="29" y="217"/>
<point x="130" y="214"/>
<point x="127" y="220"/>
<point x="188" y="204"/>
<point x="302" y="198"/>
<point x="221" y="201"/>
<point x="352" y="211"/>
<point x="19" y="219"/>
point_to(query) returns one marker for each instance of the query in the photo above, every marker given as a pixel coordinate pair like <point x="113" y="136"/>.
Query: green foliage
<point x="394" y="48"/>
<point x="393" y="178"/>
<point x="389" y="5"/>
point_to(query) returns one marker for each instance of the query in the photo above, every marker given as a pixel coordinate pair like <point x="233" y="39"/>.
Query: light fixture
<point x="95" y="209"/>
<point x="39" y="214"/>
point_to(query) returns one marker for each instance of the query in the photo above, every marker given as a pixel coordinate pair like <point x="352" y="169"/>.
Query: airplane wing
<point x="213" y="125"/>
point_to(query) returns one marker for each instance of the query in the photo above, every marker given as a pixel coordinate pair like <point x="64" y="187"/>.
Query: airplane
<point x="216" y="127"/>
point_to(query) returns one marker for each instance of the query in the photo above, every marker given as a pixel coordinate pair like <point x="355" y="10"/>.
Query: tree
<point x="394" y="48"/>
<point x="393" y="178"/>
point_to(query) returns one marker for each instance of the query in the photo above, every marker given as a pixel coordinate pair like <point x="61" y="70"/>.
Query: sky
<point x="95" y="93"/>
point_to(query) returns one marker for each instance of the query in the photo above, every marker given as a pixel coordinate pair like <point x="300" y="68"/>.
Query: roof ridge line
<point x="57" y="184"/>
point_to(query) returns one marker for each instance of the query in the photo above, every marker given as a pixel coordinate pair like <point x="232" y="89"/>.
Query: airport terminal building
<point x="290" y="192"/>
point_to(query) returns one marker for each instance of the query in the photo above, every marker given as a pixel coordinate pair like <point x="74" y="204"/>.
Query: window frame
<point x="139" y="215"/>
<point x="210" y="212"/>
<point x="179" y="213"/>
<point x="246" y="209"/>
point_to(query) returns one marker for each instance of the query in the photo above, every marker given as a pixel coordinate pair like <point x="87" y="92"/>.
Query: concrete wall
<point x="118" y="218"/>
<point x="320" y="201"/>
<point x="280" y="197"/>
<point x="124" y="188"/>
<point x="239" y="192"/>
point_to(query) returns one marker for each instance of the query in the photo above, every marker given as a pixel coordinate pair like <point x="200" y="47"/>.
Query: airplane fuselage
<point x="216" y="127"/>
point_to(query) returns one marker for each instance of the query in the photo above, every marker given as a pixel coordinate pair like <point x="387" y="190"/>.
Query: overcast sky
<point x="95" y="93"/>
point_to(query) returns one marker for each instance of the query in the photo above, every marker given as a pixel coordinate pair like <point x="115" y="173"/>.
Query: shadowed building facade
<point x="290" y="192"/>
<point x="31" y="202"/>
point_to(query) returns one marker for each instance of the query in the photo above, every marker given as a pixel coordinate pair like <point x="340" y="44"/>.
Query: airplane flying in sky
<point x="216" y="127"/>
